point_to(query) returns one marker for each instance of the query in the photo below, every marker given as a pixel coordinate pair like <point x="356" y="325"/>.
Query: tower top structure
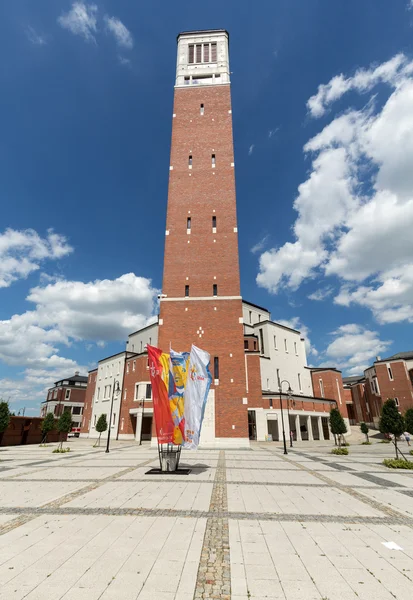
<point x="202" y="58"/>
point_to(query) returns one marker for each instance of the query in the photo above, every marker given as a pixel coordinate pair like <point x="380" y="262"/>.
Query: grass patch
<point x="366" y="443"/>
<point x="340" y="451"/>
<point x="61" y="450"/>
<point x="385" y="442"/>
<point x="397" y="463"/>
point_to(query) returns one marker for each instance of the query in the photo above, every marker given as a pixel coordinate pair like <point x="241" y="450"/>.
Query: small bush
<point x="397" y="463"/>
<point x="340" y="451"/>
<point x="61" y="450"/>
<point x="366" y="443"/>
<point x="411" y="452"/>
<point x="385" y="442"/>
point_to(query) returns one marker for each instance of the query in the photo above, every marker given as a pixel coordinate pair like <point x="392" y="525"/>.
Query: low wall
<point x="26" y="430"/>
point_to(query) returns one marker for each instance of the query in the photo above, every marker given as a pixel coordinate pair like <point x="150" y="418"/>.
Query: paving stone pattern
<point x="244" y="525"/>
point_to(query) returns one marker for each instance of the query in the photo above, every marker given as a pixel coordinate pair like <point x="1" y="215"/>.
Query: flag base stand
<point x="169" y="456"/>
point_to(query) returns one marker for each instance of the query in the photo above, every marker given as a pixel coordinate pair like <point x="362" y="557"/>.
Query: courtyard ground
<point x="242" y="525"/>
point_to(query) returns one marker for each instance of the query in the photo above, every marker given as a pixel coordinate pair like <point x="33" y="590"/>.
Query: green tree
<point x="101" y="426"/>
<point x="337" y="425"/>
<point x="47" y="426"/>
<point x="364" y="429"/>
<point x="391" y="421"/>
<point x="4" y="418"/>
<point x="408" y="417"/>
<point x="64" y="425"/>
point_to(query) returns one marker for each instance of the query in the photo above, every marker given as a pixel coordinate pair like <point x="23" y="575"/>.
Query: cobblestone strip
<point x="214" y="571"/>
<point x="390" y="512"/>
<point x="50" y="507"/>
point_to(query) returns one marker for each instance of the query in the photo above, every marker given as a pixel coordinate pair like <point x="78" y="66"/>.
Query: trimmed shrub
<point x="397" y="463"/>
<point x="341" y="451"/>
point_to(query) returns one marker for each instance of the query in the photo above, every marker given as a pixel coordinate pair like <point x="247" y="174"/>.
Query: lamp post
<point x="116" y="391"/>
<point x="143" y="410"/>
<point x="289" y="391"/>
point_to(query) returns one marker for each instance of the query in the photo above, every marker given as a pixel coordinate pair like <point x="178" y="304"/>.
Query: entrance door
<point x="326" y="431"/>
<point x="252" y="426"/>
<point x="147" y="427"/>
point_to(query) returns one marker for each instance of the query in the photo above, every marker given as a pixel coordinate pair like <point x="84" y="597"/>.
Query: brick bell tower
<point x="201" y="301"/>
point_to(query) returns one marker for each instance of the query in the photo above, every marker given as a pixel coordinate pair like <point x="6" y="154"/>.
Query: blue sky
<point x="323" y="128"/>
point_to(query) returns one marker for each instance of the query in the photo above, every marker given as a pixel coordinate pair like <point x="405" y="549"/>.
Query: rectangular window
<point x="216" y="367"/>
<point x="278" y="378"/>
<point x="285" y="345"/>
<point x="141" y="347"/>
<point x="268" y="384"/>
<point x="186" y="291"/>
<point x="124" y="393"/>
<point x="94" y="420"/>
<point x="299" y="383"/>
<point x="250" y="316"/>
<point x="114" y="419"/>
<point x="191" y="54"/>
<point x="201" y="110"/>
<point x="213" y="160"/>
<point x="295" y="347"/>
<point x="270" y="402"/>
<point x="198" y="49"/>
<point x="188" y="223"/>
<point x="133" y="347"/>
<point x="321" y="387"/>
<point x="190" y="160"/>
<point x="150" y="341"/>
<point x="275" y="342"/>
<point x="390" y="372"/>
<point x="136" y="391"/>
<point x="262" y="341"/>
<point x="67" y="394"/>
<point x="98" y="393"/>
<point x="255" y="345"/>
<point x="397" y="401"/>
<point x="133" y="365"/>
<point x="127" y="367"/>
<point x="214" y="222"/>
<point x="215" y="290"/>
<point x="245" y="344"/>
<point x="148" y="391"/>
<point x="206" y="53"/>
<point x="76" y="410"/>
<point x="214" y="52"/>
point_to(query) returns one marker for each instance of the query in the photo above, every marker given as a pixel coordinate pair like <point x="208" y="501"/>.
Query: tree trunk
<point x="335" y="439"/>
<point x="339" y="440"/>
<point x="367" y="436"/>
<point x="395" y="444"/>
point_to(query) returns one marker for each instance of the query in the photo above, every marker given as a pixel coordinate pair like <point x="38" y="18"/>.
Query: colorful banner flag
<point x="196" y="394"/>
<point x="162" y="382"/>
<point x="179" y="365"/>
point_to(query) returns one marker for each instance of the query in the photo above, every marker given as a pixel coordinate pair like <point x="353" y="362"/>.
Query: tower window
<point x="190" y="160"/>
<point x="187" y="290"/>
<point x="202" y="53"/>
<point x="245" y="344"/>
<point x="214" y="222"/>
<point x="188" y="223"/>
<point x="216" y="367"/>
<point x="390" y="372"/>
<point x="215" y="290"/>
<point x="201" y="109"/>
<point x="213" y="160"/>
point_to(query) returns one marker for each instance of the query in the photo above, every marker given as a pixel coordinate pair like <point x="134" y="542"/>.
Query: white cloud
<point x="355" y="210"/>
<point x="35" y="38"/>
<point x="321" y="294"/>
<point x="260" y="245"/>
<point x="67" y="312"/>
<point x="22" y="252"/>
<point x="391" y="72"/>
<point x="124" y="61"/>
<point x="251" y="149"/>
<point x="121" y="33"/>
<point x="81" y="20"/>
<point x="354" y="348"/>
<point x="295" y="323"/>
<point x="272" y="132"/>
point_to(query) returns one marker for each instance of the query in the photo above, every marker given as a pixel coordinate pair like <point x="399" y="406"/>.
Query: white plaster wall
<point x="109" y="370"/>
<point x="290" y="363"/>
<point x="253" y="315"/>
<point x="221" y="67"/>
<point x="137" y="341"/>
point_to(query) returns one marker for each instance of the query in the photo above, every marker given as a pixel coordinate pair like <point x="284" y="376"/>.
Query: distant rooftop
<point x="352" y="379"/>
<point x="75" y="377"/>
<point x="400" y="355"/>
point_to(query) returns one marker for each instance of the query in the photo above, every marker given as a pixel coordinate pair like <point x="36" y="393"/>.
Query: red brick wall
<point x="14" y="434"/>
<point x="330" y="379"/>
<point x="87" y="410"/>
<point x="400" y="387"/>
<point x="140" y="373"/>
<point x="203" y="190"/>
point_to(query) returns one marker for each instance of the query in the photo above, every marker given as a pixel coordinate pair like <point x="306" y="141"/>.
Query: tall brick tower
<point x="201" y="301"/>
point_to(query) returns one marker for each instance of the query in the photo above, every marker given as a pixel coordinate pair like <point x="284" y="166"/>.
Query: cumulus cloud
<point x="71" y="311"/>
<point x="35" y="38"/>
<point x="22" y="252"/>
<point x="295" y="323"/>
<point x="81" y="20"/>
<point x="355" y="210"/>
<point x="354" y="348"/>
<point x="121" y="33"/>
<point x="321" y="294"/>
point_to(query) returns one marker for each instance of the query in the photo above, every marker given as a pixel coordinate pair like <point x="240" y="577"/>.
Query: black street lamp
<point x="289" y="391"/>
<point x="143" y="411"/>
<point x="116" y="391"/>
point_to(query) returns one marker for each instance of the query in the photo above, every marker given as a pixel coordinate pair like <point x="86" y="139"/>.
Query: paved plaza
<point x="247" y="524"/>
